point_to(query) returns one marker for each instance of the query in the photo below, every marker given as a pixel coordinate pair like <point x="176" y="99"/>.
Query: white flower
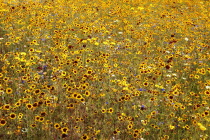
<point x="113" y="138"/>
<point x="120" y="32"/>
<point x="186" y="39"/>
<point x="174" y="74"/>
<point x="24" y="130"/>
<point x="207" y="87"/>
<point x="1" y="92"/>
<point x="186" y="64"/>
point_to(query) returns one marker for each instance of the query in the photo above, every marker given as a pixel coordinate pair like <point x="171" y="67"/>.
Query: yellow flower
<point x="8" y="90"/>
<point x="110" y="110"/>
<point x="63" y="73"/>
<point x="159" y="86"/>
<point x="106" y="43"/>
<point x="4" y="10"/>
<point x="207" y="119"/>
<point x="64" y="130"/>
<point x="84" y="41"/>
<point x="141" y="8"/>
<point x="22" y="53"/>
<point x="171" y="127"/>
<point x="113" y="43"/>
<point x="97" y="132"/>
<point x="123" y="114"/>
<point x="2" y="122"/>
<point x="144" y="122"/>
<point x="102" y="94"/>
<point x="105" y="65"/>
<point x="96" y="43"/>
<point x="125" y="88"/>
<point x="38" y="51"/>
<point x="115" y="65"/>
<point x="9" y="132"/>
<point x="7" y="43"/>
<point x="201" y="126"/>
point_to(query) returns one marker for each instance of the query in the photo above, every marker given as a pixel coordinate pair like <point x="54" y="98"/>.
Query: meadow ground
<point x="104" y="69"/>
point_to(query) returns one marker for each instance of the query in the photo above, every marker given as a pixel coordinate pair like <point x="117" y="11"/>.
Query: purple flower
<point x="40" y="73"/>
<point x="140" y="89"/>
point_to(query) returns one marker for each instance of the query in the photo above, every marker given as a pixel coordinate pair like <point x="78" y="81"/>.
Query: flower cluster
<point x="104" y="69"/>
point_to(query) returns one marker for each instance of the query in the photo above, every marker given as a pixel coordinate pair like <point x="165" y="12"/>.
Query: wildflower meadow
<point x="104" y="70"/>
